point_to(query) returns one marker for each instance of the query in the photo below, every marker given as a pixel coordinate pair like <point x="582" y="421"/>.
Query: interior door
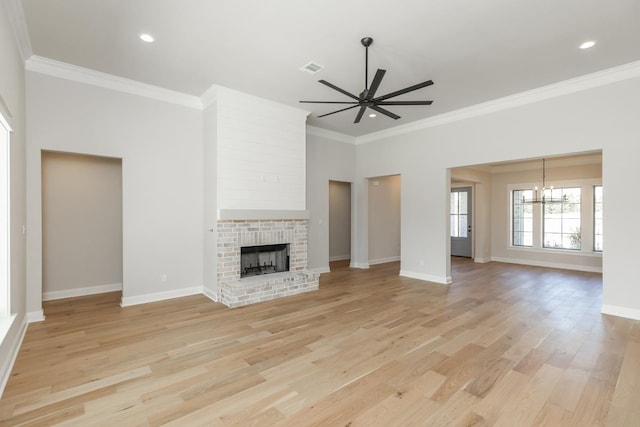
<point x="460" y="219"/>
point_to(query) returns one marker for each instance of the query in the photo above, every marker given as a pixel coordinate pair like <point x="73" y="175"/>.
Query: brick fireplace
<point x="233" y="234"/>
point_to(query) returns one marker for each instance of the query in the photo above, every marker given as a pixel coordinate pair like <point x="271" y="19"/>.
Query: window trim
<point x="5" y="221"/>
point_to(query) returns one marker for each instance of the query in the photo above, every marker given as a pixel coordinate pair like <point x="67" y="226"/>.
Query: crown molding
<point x="588" y="81"/>
<point x="552" y="163"/>
<point x="66" y="71"/>
<point x="332" y="135"/>
<point x="19" y="27"/>
<point x="223" y="92"/>
<point x="209" y="96"/>
<point x="6" y="118"/>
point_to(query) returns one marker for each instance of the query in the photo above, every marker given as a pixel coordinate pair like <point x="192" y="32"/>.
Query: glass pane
<point x="454" y="203"/>
<point x="571" y="225"/>
<point x="463" y="226"/>
<point x="522" y="218"/>
<point x="454" y="226"/>
<point x="463" y="203"/>
<point x="573" y="194"/>
<point x="598" y="243"/>
<point x="597" y="193"/>
<point x="598" y="227"/>
<point x="552" y="240"/>
<point x="553" y="225"/>
<point x="571" y="241"/>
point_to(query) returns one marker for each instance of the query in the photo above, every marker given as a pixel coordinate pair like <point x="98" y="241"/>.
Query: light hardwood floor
<point x="503" y="345"/>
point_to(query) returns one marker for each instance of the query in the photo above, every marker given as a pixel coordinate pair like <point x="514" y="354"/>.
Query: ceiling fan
<point x="367" y="98"/>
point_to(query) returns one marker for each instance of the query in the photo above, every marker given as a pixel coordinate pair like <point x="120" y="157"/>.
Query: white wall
<point x="339" y="220"/>
<point x="384" y="219"/>
<point x="210" y="171"/>
<point x="12" y="105"/>
<point x="260" y="153"/>
<point x="81" y="224"/>
<point x="161" y="149"/>
<point x="327" y="159"/>
<point x="602" y="117"/>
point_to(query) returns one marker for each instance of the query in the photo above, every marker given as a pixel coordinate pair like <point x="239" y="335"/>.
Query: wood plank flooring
<point x="504" y="345"/>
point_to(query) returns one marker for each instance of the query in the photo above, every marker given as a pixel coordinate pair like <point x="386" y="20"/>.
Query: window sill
<point x="557" y="251"/>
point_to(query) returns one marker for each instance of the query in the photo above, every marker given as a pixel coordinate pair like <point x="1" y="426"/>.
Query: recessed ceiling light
<point x="146" y="38"/>
<point x="588" y="44"/>
<point x="372" y="115"/>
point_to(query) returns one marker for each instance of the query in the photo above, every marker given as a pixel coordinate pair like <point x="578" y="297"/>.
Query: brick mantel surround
<point x="235" y="233"/>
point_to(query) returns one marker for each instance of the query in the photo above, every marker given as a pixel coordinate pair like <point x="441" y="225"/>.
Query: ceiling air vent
<point x="311" y="68"/>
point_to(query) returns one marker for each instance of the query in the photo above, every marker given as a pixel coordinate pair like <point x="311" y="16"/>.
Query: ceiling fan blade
<point x="404" y="103"/>
<point x="385" y="112"/>
<point x="403" y="91"/>
<point x="334" y="87"/>
<point x="328" y="102"/>
<point x="360" y="114"/>
<point x="338" y="111"/>
<point x="375" y="84"/>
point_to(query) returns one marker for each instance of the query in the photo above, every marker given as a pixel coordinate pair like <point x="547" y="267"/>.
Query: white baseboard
<point x="320" y="270"/>
<point x="482" y="260"/>
<point x="443" y="280"/>
<point x="339" y="258"/>
<point x="35" y="316"/>
<point x="210" y="293"/>
<point x="548" y="264"/>
<point x="13" y="349"/>
<point x="160" y="296"/>
<point x="79" y="292"/>
<point x="384" y="260"/>
<point x="614" y="310"/>
<point x="362" y="265"/>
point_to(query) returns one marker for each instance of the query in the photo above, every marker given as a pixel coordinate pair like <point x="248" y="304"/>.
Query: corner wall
<point x="327" y="160"/>
<point x="12" y="104"/>
<point x="161" y="149"/>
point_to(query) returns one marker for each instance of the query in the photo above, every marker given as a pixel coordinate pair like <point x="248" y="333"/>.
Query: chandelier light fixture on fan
<point x="367" y="98"/>
<point x="543" y="199"/>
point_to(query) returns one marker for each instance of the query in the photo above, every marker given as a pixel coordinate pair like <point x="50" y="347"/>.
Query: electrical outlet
<point x="163" y="278"/>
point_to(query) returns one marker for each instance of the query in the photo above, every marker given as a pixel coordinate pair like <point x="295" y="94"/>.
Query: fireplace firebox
<point x="264" y="259"/>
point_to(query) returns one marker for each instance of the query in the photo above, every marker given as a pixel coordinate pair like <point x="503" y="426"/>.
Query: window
<point x="459" y="214"/>
<point x="522" y="218"/>
<point x="561" y="220"/>
<point x="597" y="218"/>
<point x="4" y="217"/>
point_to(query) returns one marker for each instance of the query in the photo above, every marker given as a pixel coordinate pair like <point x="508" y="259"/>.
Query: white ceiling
<point x="474" y="51"/>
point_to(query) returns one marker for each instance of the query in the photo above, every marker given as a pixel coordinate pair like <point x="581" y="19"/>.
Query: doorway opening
<point x="339" y="222"/>
<point x="81" y="225"/>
